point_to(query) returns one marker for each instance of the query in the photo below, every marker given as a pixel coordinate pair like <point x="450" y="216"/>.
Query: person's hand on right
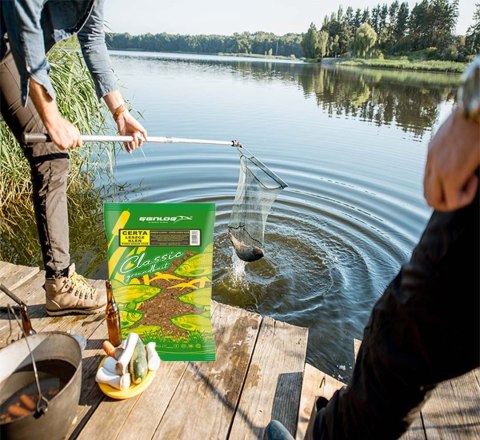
<point x="450" y="181"/>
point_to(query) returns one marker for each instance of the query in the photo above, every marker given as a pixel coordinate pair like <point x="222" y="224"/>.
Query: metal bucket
<point x="49" y="348"/>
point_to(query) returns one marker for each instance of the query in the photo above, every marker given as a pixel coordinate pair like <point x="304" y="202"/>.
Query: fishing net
<point x="257" y="189"/>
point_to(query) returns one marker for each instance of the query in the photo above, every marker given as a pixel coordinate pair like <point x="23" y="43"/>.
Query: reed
<point x="78" y="103"/>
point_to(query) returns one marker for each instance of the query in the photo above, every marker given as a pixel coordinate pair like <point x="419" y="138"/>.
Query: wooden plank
<point x="4" y="267"/>
<point x="17" y="275"/>
<point x="453" y="409"/>
<point x="42" y="322"/>
<point x="32" y="293"/>
<point x="273" y="385"/>
<point x="115" y="418"/>
<point x="204" y="403"/>
<point x="315" y="384"/>
<point x="356" y="347"/>
<point x="90" y="395"/>
<point x="133" y="418"/>
<point x="416" y="431"/>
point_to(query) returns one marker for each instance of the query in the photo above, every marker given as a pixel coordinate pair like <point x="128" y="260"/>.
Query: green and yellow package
<point x="160" y="268"/>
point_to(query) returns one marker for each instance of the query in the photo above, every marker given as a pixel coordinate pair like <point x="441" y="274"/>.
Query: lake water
<point x="350" y="144"/>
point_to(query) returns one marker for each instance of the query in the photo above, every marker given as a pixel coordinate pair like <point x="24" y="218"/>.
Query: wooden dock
<point x="260" y="374"/>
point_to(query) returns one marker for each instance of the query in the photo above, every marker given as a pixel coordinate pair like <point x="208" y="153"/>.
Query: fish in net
<point x="257" y="189"/>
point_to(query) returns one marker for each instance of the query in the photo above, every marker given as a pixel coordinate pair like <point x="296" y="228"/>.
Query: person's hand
<point x="450" y="181"/>
<point x="63" y="133"/>
<point x="129" y="126"/>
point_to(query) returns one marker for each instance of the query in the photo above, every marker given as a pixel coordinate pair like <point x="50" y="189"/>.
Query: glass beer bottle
<point x="112" y="314"/>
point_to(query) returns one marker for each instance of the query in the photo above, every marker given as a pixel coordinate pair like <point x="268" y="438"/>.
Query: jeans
<point x="423" y="330"/>
<point x="49" y="168"/>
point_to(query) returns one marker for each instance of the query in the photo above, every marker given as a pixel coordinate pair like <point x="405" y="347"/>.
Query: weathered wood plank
<point x="15" y="275"/>
<point x="210" y="391"/>
<point x="115" y="418"/>
<point x="4" y="267"/>
<point x="315" y="384"/>
<point x="273" y="384"/>
<point x="90" y="395"/>
<point x="453" y="410"/>
<point x="32" y="293"/>
<point x="356" y="347"/>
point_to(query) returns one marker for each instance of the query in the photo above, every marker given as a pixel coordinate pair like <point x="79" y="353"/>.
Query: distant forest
<point x="385" y="30"/>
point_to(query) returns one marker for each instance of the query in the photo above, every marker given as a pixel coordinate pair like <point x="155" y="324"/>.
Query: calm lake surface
<point x="351" y="144"/>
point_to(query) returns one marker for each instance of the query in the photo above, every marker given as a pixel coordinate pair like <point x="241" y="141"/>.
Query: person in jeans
<point x="28" y="29"/>
<point x="425" y="327"/>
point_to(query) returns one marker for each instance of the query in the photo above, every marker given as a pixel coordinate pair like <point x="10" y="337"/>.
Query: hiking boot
<point x="72" y="294"/>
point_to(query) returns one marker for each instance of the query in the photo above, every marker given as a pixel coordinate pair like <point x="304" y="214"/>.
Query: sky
<point x="226" y="17"/>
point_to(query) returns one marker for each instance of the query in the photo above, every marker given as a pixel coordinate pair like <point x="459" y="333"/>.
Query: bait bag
<point x="160" y="268"/>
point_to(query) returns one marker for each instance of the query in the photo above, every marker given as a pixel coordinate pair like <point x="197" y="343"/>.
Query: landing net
<point x="257" y="189"/>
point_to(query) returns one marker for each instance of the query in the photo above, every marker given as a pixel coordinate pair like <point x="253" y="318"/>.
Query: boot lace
<point x="79" y="286"/>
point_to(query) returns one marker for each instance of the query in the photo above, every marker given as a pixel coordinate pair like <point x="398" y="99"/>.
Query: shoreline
<point x="402" y="64"/>
<point x="396" y="64"/>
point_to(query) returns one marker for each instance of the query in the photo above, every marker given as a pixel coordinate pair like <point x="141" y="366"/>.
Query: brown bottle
<point x="112" y="315"/>
<point x="26" y="323"/>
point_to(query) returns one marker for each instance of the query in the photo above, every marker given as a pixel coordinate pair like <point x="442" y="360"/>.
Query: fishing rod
<point x="31" y="138"/>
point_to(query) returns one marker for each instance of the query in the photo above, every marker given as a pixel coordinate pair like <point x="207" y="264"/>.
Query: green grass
<point x="405" y="63"/>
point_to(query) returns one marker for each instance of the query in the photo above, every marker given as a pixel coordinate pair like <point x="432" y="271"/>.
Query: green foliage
<point x="472" y="38"/>
<point x="322" y="41"/>
<point x="403" y="63"/>
<point x="239" y="43"/>
<point x="310" y="42"/>
<point x="364" y="41"/>
<point x="432" y="23"/>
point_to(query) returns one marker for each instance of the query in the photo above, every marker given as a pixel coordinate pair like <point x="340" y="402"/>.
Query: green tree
<point x="364" y="41"/>
<point x="322" y="41"/>
<point x="432" y="23"/>
<point x="472" y="37"/>
<point x="309" y="42"/>
<point x="401" y="24"/>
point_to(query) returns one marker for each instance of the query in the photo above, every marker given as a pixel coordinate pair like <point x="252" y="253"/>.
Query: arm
<point x="126" y="123"/>
<point x="450" y="181"/>
<point x="94" y="49"/>
<point x="22" y="20"/>
<point x="64" y="134"/>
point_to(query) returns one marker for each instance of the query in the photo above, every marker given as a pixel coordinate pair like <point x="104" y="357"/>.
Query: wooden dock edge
<point x="315" y="384"/>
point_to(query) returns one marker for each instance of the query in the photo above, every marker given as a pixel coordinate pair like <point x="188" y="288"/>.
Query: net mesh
<point x="257" y="189"/>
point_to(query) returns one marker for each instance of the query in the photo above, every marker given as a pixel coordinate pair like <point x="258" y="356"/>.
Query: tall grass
<point x="78" y="103"/>
<point x="404" y="63"/>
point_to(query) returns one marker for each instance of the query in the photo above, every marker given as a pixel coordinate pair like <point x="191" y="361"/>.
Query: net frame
<point x="257" y="190"/>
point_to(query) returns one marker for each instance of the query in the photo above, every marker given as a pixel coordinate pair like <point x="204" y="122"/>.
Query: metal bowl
<point x="53" y="348"/>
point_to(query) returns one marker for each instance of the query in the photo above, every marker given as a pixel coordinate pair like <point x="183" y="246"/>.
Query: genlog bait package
<point x="160" y="267"/>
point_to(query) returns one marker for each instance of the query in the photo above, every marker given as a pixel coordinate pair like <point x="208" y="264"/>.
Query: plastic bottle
<point x="112" y="315"/>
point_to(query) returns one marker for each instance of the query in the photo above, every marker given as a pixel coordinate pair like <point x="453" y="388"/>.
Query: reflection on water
<point x="349" y="143"/>
<point x="409" y="100"/>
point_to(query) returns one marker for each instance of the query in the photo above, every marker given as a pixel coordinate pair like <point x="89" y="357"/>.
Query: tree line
<point x="386" y="29"/>
<point x="392" y="29"/>
<point x="261" y="43"/>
